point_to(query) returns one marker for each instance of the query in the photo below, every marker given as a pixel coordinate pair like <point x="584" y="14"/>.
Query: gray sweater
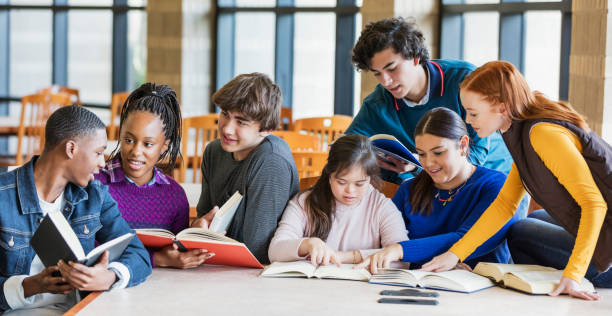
<point x="267" y="179"/>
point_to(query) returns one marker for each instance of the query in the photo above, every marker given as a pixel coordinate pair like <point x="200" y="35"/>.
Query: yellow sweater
<point x="561" y="152"/>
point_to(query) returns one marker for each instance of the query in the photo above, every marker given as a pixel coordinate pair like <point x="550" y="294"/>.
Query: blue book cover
<point x="387" y="145"/>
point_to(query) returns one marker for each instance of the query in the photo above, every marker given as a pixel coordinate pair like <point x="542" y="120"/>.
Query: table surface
<point x="216" y="290"/>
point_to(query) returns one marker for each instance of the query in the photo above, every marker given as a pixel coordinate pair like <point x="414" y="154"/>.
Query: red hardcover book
<point x="227" y="251"/>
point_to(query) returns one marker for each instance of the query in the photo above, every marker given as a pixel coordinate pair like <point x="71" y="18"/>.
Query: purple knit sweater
<point x="162" y="204"/>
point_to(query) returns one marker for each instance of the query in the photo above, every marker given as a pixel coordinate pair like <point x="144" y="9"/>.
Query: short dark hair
<point x="403" y="36"/>
<point x="161" y="101"/>
<point x="254" y="95"/>
<point x="70" y="122"/>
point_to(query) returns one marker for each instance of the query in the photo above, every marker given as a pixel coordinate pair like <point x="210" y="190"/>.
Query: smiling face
<point x="484" y="116"/>
<point x="444" y="159"/>
<point x="87" y="157"/>
<point x="401" y="77"/>
<point x="239" y="134"/>
<point x="142" y="142"/>
<point x="349" y="186"/>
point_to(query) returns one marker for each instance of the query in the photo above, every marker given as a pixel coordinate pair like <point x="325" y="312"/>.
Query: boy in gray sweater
<point x="248" y="159"/>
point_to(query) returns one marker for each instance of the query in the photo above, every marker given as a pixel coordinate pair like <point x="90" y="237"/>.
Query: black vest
<point x="545" y="189"/>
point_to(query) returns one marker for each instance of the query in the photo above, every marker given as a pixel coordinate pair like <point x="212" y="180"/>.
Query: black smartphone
<point x="413" y="301"/>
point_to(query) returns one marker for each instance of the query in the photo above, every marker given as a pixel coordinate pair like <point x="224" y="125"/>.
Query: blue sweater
<point x="434" y="234"/>
<point x="378" y="115"/>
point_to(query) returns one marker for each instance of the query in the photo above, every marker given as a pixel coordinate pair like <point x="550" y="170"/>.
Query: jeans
<point x="538" y="239"/>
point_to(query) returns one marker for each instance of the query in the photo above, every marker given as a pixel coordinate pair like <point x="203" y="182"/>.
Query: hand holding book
<point x="95" y="278"/>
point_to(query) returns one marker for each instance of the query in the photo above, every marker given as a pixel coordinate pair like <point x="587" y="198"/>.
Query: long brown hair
<point x="501" y="83"/>
<point x="440" y="122"/>
<point x="345" y="152"/>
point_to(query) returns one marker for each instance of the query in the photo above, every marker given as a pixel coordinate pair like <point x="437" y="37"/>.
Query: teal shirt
<point x="378" y="115"/>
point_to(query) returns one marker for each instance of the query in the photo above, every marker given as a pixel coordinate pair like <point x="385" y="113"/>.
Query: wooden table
<point x="216" y="290"/>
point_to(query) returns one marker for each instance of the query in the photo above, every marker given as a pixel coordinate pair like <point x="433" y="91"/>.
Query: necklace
<point x="451" y="194"/>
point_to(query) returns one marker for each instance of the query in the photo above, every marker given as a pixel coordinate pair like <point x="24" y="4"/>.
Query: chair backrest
<point x="198" y="131"/>
<point x="74" y="93"/>
<point x="328" y="129"/>
<point x="309" y="164"/>
<point x="298" y="141"/>
<point x="387" y="188"/>
<point x="115" y="111"/>
<point x="286" y="119"/>
<point x="35" y="110"/>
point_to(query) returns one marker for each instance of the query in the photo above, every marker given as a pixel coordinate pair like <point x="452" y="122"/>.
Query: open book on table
<point x="306" y="269"/>
<point x="55" y="240"/>
<point x="532" y="279"/>
<point x="454" y="280"/>
<point x="387" y="145"/>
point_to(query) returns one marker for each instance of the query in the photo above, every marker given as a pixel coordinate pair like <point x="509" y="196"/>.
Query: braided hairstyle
<point x="159" y="100"/>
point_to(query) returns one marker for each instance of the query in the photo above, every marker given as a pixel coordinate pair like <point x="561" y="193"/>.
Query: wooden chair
<point x="309" y="164"/>
<point x="286" y="119"/>
<point x="73" y="93"/>
<point x="328" y="129"/>
<point x="115" y="110"/>
<point x="35" y="110"/>
<point x="198" y="131"/>
<point x="299" y="142"/>
<point x="387" y="188"/>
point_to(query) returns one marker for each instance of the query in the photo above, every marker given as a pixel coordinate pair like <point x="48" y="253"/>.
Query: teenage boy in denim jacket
<point x="59" y="180"/>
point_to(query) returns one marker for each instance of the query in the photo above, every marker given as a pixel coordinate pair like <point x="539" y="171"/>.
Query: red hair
<point x="501" y="83"/>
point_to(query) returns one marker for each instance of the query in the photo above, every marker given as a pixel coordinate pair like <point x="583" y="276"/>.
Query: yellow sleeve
<point x="494" y="217"/>
<point x="561" y="152"/>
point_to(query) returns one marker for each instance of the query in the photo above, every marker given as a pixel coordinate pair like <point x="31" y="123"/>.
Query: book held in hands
<point x="454" y="280"/>
<point x="306" y="269"/>
<point x="531" y="279"/>
<point x="387" y="145"/>
<point x="54" y="240"/>
<point x="227" y="250"/>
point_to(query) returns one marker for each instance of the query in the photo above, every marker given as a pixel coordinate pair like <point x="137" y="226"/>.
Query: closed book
<point x="54" y="240"/>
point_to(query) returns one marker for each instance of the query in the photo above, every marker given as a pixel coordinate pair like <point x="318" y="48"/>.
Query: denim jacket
<point x="91" y="211"/>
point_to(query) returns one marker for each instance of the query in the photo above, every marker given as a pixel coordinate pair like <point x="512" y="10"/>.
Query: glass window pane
<point x="468" y="1"/>
<point x="91" y="2"/>
<point x="313" y="64"/>
<point x="137" y="48"/>
<point x="543" y="51"/>
<point x="137" y="3"/>
<point x="255" y="3"/>
<point x="315" y="3"/>
<point x="90" y="54"/>
<point x="26" y="2"/>
<point x="481" y="37"/>
<point x="254" y="42"/>
<point x="30" y="54"/>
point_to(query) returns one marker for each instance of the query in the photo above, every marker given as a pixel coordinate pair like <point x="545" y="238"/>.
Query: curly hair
<point x="403" y="36"/>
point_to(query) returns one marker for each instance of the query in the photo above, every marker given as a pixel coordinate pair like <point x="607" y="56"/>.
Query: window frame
<point x="346" y="19"/>
<point x="512" y="32"/>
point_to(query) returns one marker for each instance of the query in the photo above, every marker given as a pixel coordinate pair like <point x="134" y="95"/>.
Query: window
<point x="303" y="45"/>
<point x="96" y="46"/>
<point x="534" y="35"/>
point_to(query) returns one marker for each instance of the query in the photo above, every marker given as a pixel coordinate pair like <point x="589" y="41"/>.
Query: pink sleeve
<point x="289" y="233"/>
<point x="391" y="226"/>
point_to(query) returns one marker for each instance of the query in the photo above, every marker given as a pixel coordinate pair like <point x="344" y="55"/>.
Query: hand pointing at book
<point x="319" y="252"/>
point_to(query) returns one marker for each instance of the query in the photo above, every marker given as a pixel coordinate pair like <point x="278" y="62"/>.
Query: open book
<point x="225" y="214"/>
<point x="227" y="251"/>
<point x="532" y="279"/>
<point x="454" y="280"/>
<point x="54" y="240"/>
<point x="387" y="145"/>
<point x="306" y="269"/>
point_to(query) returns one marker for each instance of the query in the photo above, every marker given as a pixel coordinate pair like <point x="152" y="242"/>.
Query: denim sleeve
<point x="135" y="257"/>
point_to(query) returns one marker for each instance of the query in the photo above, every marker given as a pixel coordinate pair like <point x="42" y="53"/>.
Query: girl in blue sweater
<point x="441" y="203"/>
